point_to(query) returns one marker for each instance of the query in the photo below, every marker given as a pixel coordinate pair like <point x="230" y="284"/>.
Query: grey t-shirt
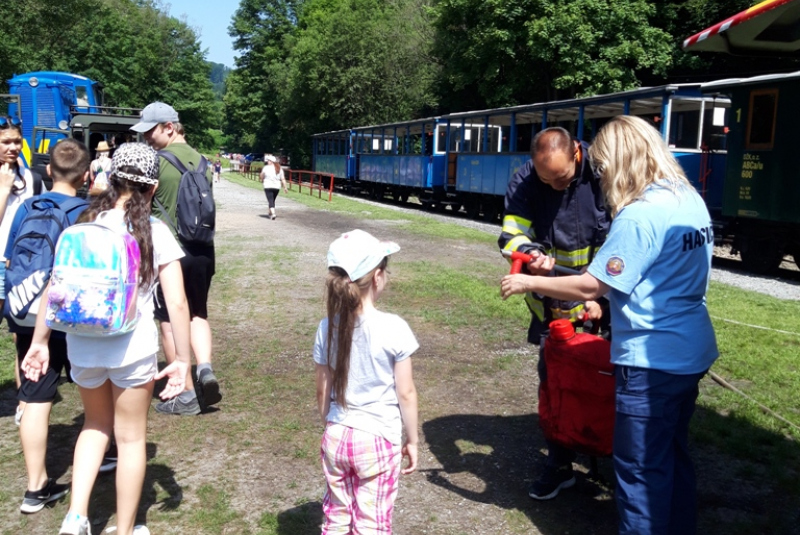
<point x="379" y="341"/>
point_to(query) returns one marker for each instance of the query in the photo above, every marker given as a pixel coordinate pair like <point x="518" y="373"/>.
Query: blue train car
<point x="465" y="160"/>
<point x="491" y="145"/>
<point x="49" y="99"/>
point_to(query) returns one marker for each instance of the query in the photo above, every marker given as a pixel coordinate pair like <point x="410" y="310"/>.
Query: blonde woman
<point x="655" y="267"/>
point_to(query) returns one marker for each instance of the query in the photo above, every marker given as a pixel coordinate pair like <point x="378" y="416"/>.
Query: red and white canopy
<point x="771" y="28"/>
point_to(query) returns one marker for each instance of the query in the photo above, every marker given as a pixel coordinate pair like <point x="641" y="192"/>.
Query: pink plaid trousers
<point x="362" y="471"/>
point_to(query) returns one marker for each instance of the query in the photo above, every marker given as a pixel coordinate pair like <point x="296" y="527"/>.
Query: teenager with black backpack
<point x="185" y="202"/>
<point x="32" y="237"/>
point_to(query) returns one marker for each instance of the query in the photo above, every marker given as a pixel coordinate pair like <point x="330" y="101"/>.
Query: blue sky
<point x="211" y="19"/>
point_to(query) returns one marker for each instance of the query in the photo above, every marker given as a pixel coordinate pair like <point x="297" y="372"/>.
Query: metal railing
<point x="311" y="180"/>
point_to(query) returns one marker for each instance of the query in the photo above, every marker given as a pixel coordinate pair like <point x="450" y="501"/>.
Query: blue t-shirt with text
<point x="657" y="261"/>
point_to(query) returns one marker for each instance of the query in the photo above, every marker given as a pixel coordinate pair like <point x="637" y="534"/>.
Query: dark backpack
<point x="32" y="254"/>
<point x="195" y="211"/>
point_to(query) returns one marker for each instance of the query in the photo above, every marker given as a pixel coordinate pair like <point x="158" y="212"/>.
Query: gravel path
<point x="769" y="285"/>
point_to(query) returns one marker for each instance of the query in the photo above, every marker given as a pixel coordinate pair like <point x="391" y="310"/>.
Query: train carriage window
<point x="761" y="119"/>
<point x="714" y="122"/>
<point x="684" y="129"/>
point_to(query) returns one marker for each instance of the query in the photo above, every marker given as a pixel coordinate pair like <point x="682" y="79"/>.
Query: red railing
<point x="311" y="180"/>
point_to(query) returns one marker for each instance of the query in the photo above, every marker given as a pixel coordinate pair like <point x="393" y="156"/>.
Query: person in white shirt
<point x="365" y="389"/>
<point x="273" y="180"/>
<point x="116" y="374"/>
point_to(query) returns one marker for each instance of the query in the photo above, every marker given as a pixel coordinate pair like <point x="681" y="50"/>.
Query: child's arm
<point x="171" y="278"/>
<point x="407" y="397"/>
<point x="323" y="391"/>
<point x="37" y="359"/>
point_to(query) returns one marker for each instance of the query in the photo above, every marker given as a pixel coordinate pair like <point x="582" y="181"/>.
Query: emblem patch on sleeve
<point x="615" y="266"/>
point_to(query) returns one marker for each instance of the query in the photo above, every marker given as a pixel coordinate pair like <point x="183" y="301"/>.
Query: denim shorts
<point x="139" y="373"/>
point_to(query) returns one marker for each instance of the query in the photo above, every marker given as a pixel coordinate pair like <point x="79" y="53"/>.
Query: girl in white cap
<point x="116" y="374"/>
<point x="365" y="390"/>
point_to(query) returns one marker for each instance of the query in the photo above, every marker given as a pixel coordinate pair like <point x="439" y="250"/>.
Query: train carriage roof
<point x="767" y="29"/>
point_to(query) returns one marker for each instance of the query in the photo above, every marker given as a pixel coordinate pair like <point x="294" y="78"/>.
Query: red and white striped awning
<point x="769" y="28"/>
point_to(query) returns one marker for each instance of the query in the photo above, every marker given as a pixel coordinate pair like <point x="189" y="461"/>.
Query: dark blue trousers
<point x="656" y="488"/>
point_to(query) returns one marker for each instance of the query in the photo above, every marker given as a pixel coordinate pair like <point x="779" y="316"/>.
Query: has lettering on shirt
<point x="697" y="238"/>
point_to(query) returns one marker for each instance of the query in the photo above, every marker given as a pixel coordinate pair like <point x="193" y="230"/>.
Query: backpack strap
<point x="171" y="158"/>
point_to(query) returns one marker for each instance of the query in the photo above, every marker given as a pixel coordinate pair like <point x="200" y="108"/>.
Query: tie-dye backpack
<point x="95" y="279"/>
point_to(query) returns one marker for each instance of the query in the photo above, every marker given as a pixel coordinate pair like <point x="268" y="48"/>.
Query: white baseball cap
<point x="270" y="158"/>
<point x="358" y="252"/>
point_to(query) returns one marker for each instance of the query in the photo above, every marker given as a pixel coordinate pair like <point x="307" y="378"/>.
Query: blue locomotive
<point x="46" y="101"/>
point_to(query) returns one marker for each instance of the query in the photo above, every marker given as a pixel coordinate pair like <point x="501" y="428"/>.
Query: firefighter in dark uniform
<point x="555" y="211"/>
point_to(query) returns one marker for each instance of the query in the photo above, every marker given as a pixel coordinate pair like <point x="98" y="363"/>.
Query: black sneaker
<point x="109" y="459"/>
<point x="178" y="406"/>
<point x="34" y="501"/>
<point x="552" y="481"/>
<point x="207" y="387"/>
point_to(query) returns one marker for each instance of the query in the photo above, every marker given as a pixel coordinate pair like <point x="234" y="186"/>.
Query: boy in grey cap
<point x="162" y="130"/>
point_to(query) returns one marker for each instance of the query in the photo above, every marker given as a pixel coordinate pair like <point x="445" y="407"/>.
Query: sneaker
<point x="552" y="481"/>
<point x="109" y="459"/>
<point x="177" y="405"/>
<point x="207" y="388"/>
<point x="75" y="524"/>
<point x="34" y="501"/>
<point x="137" y="530"/>
<point x="18" y="415"/>
<point x="274" y="217"/>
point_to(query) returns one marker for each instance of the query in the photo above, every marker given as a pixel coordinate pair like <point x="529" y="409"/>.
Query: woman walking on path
<point x="116" y="374"/>
<point x="365" y="390"/>
<point x="273" y="179"/>
<point x="655" y="267"/>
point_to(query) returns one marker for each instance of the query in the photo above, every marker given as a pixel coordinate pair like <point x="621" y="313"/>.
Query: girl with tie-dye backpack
<point x="115" y="367"/>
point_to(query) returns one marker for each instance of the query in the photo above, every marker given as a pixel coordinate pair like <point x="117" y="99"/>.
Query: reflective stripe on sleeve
<point x="516" y="241"/>
<point x="514" y="225"/>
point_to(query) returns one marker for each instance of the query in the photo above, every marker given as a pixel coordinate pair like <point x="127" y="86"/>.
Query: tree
<point x="133" y="47"/>
<point x="503" y="52"/>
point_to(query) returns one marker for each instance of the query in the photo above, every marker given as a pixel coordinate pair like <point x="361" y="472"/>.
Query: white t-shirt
<point x="23" y="181"/>
<point x="142" y="341"/>
<point x="271" y="179"/>
<point x="379" y="341"/>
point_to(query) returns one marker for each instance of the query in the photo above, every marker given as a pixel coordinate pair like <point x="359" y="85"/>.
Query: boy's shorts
<point x="44" y="390"/>
<point x="198" y="268"/>
<point x="139" y="373"/>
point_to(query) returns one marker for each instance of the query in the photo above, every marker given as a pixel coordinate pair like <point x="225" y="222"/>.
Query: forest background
<point x="309" y="66"/>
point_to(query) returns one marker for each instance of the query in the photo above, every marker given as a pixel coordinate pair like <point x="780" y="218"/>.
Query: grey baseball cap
<point x="154" y="114"/>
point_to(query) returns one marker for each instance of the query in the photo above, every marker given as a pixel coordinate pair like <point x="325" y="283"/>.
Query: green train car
<point x="761" y="195"/>
<point x="762" y="190"/>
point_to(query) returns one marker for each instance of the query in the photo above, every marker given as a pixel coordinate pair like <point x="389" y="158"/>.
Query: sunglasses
<point x="9" y="122"/>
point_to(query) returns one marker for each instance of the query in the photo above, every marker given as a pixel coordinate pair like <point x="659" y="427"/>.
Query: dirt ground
<point x="252" y="466"/>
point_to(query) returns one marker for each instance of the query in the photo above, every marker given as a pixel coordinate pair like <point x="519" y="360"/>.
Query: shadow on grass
<point x="160" y="490"/>
<point x="493" y="459"/>
<point x="748" y="477"/>
<point x="301" y="520"/>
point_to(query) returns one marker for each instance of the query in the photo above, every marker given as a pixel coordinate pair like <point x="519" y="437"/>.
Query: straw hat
<point x="103" y="147"/>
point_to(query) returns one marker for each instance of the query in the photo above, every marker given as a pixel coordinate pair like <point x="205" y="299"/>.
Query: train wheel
<point x="404" y="198"/>
<point x="760" y="255"/>
<point x="490" y="212"/>
<point x="473" y="209"/>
